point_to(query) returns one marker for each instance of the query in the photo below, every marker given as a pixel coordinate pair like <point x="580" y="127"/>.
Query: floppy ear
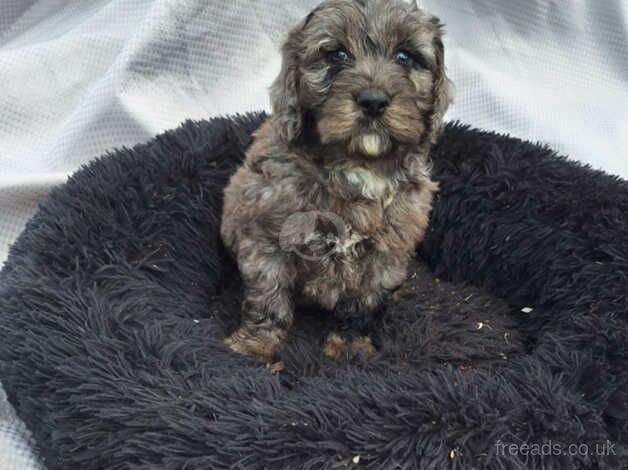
<point x="284" y="90"/>
<point x="443" y="89"/>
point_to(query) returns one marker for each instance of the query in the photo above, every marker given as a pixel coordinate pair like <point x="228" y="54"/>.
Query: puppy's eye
<point x="404" y="59"/>
<point x="339" y="56"/>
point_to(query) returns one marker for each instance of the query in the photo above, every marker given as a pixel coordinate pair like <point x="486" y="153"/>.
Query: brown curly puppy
<point x="335" y="191"/>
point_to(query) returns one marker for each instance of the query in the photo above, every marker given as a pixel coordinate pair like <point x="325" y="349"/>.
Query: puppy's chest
<point x="362" y="204"/>
<point x="369" y="187"/>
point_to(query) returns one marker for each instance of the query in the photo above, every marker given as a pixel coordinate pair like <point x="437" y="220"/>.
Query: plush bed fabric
<point x="512" y="327"/>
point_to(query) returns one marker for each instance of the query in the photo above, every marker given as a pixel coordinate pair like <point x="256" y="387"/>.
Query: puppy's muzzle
<point x="373" y="103"/>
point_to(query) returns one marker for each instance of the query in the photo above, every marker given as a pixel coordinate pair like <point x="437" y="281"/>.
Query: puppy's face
<point x="368" y="75"/>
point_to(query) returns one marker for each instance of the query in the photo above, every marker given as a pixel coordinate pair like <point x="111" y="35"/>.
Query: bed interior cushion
<point x="511" y="329"/>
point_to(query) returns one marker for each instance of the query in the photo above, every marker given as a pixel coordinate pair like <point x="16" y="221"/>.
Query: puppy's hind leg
<point x="358" y="313"/>
<point x="267" y="309"/>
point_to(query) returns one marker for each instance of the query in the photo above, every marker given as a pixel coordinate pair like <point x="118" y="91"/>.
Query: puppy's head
<point x="367" y="74"/>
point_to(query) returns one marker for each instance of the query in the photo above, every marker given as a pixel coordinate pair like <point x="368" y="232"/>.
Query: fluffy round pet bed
<point x="116" y="298"/>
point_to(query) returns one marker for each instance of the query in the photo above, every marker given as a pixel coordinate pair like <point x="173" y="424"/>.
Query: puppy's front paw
<point x="260" y="345"/>
<point x="362" y="346"/>
<point x="335" y="347"/>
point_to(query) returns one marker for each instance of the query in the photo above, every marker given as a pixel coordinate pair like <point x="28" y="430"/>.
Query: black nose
<point x="373" y="103"/>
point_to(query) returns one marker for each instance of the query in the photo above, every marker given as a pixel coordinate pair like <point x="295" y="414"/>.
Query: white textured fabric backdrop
<point x="77" y="78"/>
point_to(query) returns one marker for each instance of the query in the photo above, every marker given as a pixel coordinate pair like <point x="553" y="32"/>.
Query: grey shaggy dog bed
<point x="116" y="298"/>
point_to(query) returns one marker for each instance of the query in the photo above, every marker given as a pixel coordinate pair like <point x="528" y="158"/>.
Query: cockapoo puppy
<point x="335" y="191"/>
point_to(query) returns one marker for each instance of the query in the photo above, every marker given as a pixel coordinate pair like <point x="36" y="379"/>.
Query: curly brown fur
<point x="335" y="191"/>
